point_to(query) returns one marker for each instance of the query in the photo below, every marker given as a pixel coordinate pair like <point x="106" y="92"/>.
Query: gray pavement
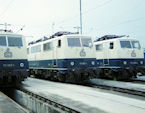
<point x="9" y="106"/>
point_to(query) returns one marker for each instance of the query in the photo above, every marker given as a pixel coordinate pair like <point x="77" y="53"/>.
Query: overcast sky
<point x="100" y="17"/>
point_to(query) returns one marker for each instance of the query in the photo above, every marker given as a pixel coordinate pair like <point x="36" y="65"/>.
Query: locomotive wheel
<point x="47" y="74"/>
<point x="127" y="74"/>
<point x="71" y="78"/>
<point x="115" y="76"/>
<point x="52" y="77"/>
<point x="101" y="74"/>
<point x="37" y="76"/>
<point x="91" y="74"/>
<point x="61" y="77"/>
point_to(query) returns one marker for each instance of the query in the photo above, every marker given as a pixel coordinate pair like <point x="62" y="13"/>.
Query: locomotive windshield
<point x="86" y="42"/>
<point x="125" y="44"/>
<point x="76" y="42"/>
<point x="130" y="44"/>
<point x="3" y="41"/>
<point x="15" y="41"/>
<point x="135" y="44"/>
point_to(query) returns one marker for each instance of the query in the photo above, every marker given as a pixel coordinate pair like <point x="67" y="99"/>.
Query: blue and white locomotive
<point x="64" y="56"/>
<point x="144" y="53"/>
<point x="13" y="58"/>
<point x="119" y="57"/>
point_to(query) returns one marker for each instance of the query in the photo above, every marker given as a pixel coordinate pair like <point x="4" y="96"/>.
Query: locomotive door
<point x="105" y="55"/>
<point x="54" y="55"/>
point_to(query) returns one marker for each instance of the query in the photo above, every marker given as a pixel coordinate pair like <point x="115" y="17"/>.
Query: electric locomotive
<point x="144" y="53"/>
<point x="119" y="57"/>
<point x="13" y="59"/>
<point x="65" y="56"/>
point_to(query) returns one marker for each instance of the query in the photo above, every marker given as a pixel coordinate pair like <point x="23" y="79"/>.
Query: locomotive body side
<point x="119" y="58"/>
<point x="64" y="58"/>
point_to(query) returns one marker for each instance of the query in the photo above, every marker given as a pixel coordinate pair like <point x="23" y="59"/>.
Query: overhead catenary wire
<point x="121" y="23"/>
<point x="83" y="13"/>
<point x="99" y="6"/>
<point x="6" y="8"/>
<point x="127" y="21"/>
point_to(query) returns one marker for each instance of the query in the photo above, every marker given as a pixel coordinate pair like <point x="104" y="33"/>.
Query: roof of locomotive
<point x="57" y="35"/>
<point x="107" y="38"/>
<point x="8" y="32"/>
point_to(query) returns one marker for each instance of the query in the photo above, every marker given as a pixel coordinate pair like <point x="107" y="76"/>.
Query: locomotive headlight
<point x="141" y="62"/>
<point x="21" y="64"/>
<point x="72" y="63"/>
<point x="93" y="62"/>
<point x="124" y="62"/>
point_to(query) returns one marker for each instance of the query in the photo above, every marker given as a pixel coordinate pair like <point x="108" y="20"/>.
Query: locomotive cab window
<point x="47" y="46"/>
<point x="135" y="44"/>
<point x="36" y="49"/>
<point x="15" y="41"/>
<point x="99" y="47"/>
<point x="59" y="43"/>
<point x="125" y="44"/>
<point x="111" y="45"/>
<point x="86" y="42"/>
<point x="73" y="42"/>
<point x="3" y="41"/>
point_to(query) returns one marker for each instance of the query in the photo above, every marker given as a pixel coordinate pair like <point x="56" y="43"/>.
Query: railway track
<point x="122" y="90"/>
<point x="139" y="81"/>
<point x="52" y="105"/>
<point x="136" y="88"/>
<point x="136" y="81"/>
<point x="127" y="90"/>
<point x="60" y="105"/>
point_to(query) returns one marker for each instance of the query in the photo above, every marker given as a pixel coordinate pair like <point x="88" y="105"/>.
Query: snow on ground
<point x="140" y="78"/>
<point x="127" y="85"/>
<point x="85" y="99"/>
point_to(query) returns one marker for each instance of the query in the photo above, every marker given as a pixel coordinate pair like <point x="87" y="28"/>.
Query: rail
<point x="54" y="104"/>
<point x="123" y="87"/>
